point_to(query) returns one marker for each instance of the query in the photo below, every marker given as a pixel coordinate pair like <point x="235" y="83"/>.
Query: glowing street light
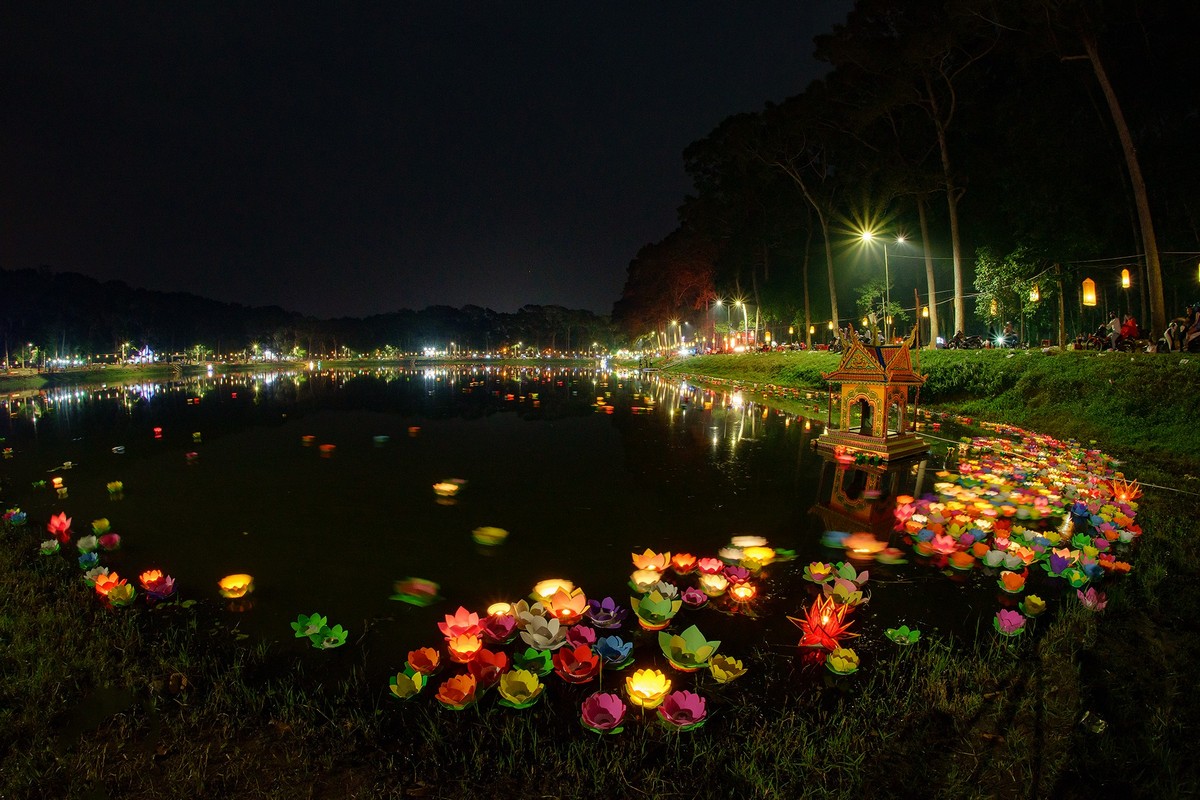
<point x="868" y="236"/>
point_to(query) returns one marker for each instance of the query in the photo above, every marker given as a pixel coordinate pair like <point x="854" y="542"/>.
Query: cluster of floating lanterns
<point x="561" y="630"/>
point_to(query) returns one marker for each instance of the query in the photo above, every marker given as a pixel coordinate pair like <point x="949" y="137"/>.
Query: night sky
<point x="348" y="160"/>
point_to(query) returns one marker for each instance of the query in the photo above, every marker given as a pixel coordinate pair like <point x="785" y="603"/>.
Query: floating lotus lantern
<point x="1125" y="491"/>
<point x="614" y="651"/>
<point x="567" y="607"/>
<point x="157" y="584"/>
<point x="1008" y="623"/>
<point x="667" y="590"/>
<point x="581" y="634"/>
<point x="862" y="545"/>
<point x="457" y="692"/>
<point x="416" y="592"/>
<point x="654" y="612"/>
<point x="449" y="487"/>
<point x="688" y="651"/>
<point x="844" y="592"/>
<point x="651" y="560"/>
<point x="305" y="626"/>
<point x="994" y="558"/>
<point x="737" y="574"/>
<point x="606" y="613"/>
<point x="49" y="547"/>
<point x="545" y="589"/>
<point x="116" y="488"/>
<point x="461" y="623"/>
<point x="110" y="542"/>
<point x="328" y="638"/>
<point x="962" y="560"/>
<point x="86" y="560"/>
<point x="87" y="544"/>
<point x="578" y="665"/>
<point x="824" y="624"/>
<point x="327" y="450"/>
<point x="487" y="667"/>
<point x="683" y="563"/>
<point x="818" y="572"/>
<point x="463" y="647"/>
<point x="643" y="580"/>
<point x="725" y="668"/>
<point x="525" y="613"/>
<point x="746" y="541"/>
<point x="500" y="609"/>
<point x="683" y="710"/>
<point x="407" y="684"/>
<point x="104" y="584"/>
<point x="499" y="628"/>
<point x="730" y="554"/>
<point x="713" y="585"/>
<point x="235" y="586"/>
<point x="647" y="688"/>
<point x="308" y="440"/>
<point x="544" y="634"/>
<point x="903" y="635"/>
<point x="425" y="660"/>
<point x="14" y="517"/>
<point x="489" y="536"/>
<point x="93" y="574"/>
<point x="1092" y="600"/>
<point x="693" y="597"/>
<point x="710" y="566"/>
<point x="100" y="526"/>
<point x="536" y="661"/>
<point x="893" y="555"/>
<point x="121" y="595"/>
<point x="1032" y="605"/>
<point x="742" y="592"/>
<point x="59" y="527"/>
<point x="603" y="713"/>
<point x="1012" y="582"/>
<point x="842" y="661"/>
<point x="414" y="431"/>
<point x="519" y="688"/>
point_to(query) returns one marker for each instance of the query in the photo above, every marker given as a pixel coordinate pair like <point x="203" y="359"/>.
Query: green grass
<point x="94" y="702"/>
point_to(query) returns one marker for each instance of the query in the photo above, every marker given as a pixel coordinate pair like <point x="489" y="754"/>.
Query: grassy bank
<point x="172" y="702"/>
<point x="1143" y="407"/>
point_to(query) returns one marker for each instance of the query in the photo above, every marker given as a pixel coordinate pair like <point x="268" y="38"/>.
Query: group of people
<point x="1183" y="333"/>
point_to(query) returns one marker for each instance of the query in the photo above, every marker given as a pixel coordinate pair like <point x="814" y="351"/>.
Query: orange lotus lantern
<point x="863" y="545"/>
<point x="425" y="660"/>
<point x="463" y="648"/>
<point x="683" y="563"/>
<point x="647" y="688"/>
<point x="1125" y="491"/>
<point x="743" y="592"/>
<point x="651" y="560"/>
<point x="961" y="559"/>
<point x="567" y="607"/>
<point x="106" y="583"/>
<point x="235" y="586"/>
<point x="1012" y="582"/>
<point x="824" y="624"/>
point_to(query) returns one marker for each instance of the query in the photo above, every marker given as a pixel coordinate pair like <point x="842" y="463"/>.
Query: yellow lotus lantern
<point x="762" y="554"/>
<point x="725" y="668"/>
<point x="651" y="560"/>
<point x="644" y="579"/>
<point x="544" y="590"/>
<point x="647" y="688"/>
<point x="743" y="592"/>
<point x="499" y="609"/>
<point x="235" y="586"/>
<point x="714" y="585"/>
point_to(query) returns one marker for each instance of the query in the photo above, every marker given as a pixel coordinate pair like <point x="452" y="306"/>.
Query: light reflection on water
<point x="581" y="466"/>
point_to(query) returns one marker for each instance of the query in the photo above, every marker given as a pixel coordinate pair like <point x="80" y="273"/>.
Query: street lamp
<point x="868" y="236"/>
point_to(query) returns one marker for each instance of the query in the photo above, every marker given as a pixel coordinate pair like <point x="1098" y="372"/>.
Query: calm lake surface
<point x="582" y="466"/>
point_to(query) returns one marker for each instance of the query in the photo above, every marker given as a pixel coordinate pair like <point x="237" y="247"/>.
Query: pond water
<point x="581" y="466"/>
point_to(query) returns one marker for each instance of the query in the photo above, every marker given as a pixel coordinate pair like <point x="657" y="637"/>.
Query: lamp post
<point x="868" y="236"/>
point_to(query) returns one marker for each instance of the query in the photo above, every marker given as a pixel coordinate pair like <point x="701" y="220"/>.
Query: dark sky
<point x="341" y="159"/>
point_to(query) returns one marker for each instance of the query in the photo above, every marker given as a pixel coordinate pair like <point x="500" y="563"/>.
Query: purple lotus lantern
<point x="606" y="613"/>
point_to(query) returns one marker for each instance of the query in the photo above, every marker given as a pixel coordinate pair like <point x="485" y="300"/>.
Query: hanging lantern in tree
<point x="994" y="308"/>
<point x="1124" y="279"/>
<point x="1089" y="292"/>
<point x="1035" y="294"/>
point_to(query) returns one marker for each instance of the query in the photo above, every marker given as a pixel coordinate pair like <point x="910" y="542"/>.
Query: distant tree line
<point x="64" y="314"/>
<point x="1033" y="142"/>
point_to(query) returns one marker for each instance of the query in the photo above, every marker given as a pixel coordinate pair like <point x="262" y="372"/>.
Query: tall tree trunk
<point x="933" y="315"/>
<point x="804" y="276"/>
<point x="1158" y="309"/>
<point x="833" y="305"/>
<point x="952" y="195"/>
